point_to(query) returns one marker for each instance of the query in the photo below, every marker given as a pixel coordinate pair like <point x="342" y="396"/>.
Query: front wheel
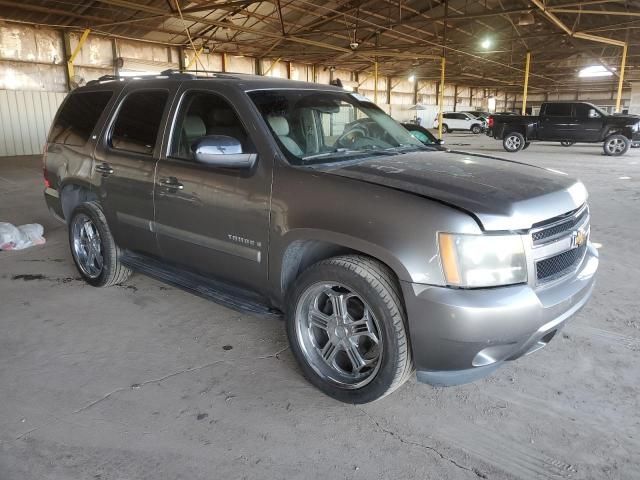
<point x="616" y="145"/>
<point x="93" y="249"/>
<point x="476" y="129"/>
<point x="513" y="142"/>
<point x="346" y="327"/>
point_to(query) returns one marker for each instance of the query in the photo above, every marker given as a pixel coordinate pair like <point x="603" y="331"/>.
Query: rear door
<point x="557" y="122"/>
<point x="208" y="219"/>
<point x="125" y="163"/>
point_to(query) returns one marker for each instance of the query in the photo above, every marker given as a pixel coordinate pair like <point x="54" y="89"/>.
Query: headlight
<point x="482" y="260"/>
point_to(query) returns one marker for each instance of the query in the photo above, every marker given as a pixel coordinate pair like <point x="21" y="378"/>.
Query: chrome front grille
<point x="560" y="244"/>
<point x="558" y="265"/>
<point x="559" y="228"/>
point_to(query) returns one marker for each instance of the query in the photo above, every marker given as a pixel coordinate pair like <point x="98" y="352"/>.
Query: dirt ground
<point x="145" y="381"/>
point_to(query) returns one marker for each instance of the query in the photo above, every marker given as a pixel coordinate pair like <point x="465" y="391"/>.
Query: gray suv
<point x="386" y="256"/>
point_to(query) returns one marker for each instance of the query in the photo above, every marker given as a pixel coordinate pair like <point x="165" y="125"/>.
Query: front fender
<point x="397" y="228"/>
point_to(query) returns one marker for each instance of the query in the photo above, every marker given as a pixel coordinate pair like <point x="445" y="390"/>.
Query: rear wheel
<point x="513" y="142"/>
<point x="567" y="143"/>
<point x="616" y="145"/>
<point x="445" y="128"/>
<point x="476" y="129"/>
<point x="94" y="251"/>
<point x="346" y="327"/>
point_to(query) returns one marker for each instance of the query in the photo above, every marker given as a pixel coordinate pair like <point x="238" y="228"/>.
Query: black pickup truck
<point x="567" y="123"/>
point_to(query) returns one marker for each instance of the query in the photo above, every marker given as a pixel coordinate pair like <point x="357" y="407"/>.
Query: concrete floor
<point x="138" y="381"/>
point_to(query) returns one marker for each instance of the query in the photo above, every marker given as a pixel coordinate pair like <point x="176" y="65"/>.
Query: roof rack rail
<point x="173" y="71"/>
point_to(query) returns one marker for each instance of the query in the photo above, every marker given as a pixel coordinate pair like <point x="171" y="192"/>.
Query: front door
<point x="589" y="122"/>
<point x="124" y="167"/>
<point x="213" y="220"/>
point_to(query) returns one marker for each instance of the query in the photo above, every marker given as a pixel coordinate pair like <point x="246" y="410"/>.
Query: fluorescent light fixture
<point x="595" y="71"/>
<point x="486" y="43"/>
<point x="412" y="78"/>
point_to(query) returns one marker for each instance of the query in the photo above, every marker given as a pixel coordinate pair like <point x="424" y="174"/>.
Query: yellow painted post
<point x="622" y="65"/>
<point x="375" y="82"/>
<point x="195" y="58"/>
<point x="75" y="53"/>
<point x="273" y="64"/>
<point x="526" y="84"/>
<point x="441" y="100"/>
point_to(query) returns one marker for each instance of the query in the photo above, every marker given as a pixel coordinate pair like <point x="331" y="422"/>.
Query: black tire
<point x="476" y="129"/>
<point x="513" y="142"/>
<point x="526" y="145"/>
<point x="445" y="128"/>
<point x="112" y="271"/>
<point x="378" y="287"/>
<point x="616" y="145"/>
<point x="567" y="143"/>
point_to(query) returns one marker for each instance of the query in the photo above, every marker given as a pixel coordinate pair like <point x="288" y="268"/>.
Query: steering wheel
<point x="348" y="139"/>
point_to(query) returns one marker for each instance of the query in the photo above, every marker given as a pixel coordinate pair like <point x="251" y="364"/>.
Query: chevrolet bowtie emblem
<point x="578" y="238"/>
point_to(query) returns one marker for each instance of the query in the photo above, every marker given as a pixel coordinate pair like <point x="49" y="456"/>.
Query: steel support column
<point x="526" y="84"/>
<point x="441" y="101"/>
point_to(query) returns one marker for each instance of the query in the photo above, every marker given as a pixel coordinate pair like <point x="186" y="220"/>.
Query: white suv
<point x="459" y="121"/>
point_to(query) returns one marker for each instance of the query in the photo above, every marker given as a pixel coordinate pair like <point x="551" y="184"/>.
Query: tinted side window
<point x="446" y="115"/>
<point x="558" y="110"/>
<point x="138" y="121"/>
<point x="582" y="111"/>
<point x="202" y="114"/>
<point x="78" y="117"/>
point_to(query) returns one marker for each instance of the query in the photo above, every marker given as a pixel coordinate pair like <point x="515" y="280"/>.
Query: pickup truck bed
<point x="568" y="123"/>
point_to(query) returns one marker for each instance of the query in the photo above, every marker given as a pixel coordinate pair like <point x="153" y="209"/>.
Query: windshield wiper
<point x="347" y="152"/>
<point x="329" y="154"/>
<point x="407" y="146"/>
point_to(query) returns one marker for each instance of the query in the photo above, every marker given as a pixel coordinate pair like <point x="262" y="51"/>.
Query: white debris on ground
<point x="24" y="236"/>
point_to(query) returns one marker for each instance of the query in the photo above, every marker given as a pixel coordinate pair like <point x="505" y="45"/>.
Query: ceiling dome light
<point x="526" y="18"/>
<point x="412" y="78"/>
<point x="595" y="71"/>
<point x="486" y="43"/>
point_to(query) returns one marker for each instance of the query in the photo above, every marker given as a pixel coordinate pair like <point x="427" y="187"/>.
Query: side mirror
<point x="440" y="141"/>
<point x="222" y="151"/>
<point x="593" y="113"/>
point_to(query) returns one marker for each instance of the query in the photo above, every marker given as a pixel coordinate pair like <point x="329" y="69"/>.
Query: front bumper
<point x="460" y="335"/>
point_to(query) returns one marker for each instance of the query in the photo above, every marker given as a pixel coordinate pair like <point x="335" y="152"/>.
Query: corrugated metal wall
<point x="25" y="117"/>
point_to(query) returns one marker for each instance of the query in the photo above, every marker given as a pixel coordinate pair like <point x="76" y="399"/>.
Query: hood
<point x="500" y="194"/>
<point x="623" y="120"/>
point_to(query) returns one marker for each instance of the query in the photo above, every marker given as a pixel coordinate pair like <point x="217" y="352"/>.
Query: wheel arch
<point x="73" y="194"/>
<point x="509" y="129"/>
<point x="300" y="253"/>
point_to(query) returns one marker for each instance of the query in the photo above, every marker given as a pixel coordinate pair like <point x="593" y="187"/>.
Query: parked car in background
<point x="422" y="134"/>
<point x="567" y="123"/>
<point x="385" y="255"/>
<point x="452" y="121"/>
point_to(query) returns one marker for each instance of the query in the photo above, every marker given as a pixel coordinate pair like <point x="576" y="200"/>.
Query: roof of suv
<point x="244" y="81"/>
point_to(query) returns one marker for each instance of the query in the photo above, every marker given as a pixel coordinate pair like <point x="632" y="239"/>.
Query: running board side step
<point x="220" y="292"/>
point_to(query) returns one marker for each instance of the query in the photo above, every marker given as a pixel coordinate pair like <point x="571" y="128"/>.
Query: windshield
<point x="324" y="126"/>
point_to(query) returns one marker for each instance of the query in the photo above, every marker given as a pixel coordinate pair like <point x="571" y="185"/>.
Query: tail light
<point x="490" y="121"/>
<point x="47" y="183"/>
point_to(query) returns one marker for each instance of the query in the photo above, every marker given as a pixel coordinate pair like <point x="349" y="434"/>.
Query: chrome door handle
<point x="104" y="168"/>
<point x="171" y="182"/>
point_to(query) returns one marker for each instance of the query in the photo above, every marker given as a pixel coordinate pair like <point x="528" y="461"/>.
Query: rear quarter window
<point x="78" y="117"/>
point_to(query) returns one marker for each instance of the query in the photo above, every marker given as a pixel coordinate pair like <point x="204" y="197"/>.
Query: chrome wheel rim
<point x="338" y="334"/>
<point x="615" y="145"/>
<point x="87" y="246"/>
<point x="512" y="143"/>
